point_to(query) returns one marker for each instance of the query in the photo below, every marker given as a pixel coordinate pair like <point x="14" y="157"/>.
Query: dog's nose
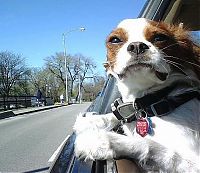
<point x="137" y="48"/>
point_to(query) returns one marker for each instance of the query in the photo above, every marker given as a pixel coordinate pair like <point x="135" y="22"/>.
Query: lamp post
<point x="79" y="81"/>
<point x="65" y="56"/>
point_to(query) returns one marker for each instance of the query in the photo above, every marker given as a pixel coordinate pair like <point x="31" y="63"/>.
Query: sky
<point x="34" y="28"/>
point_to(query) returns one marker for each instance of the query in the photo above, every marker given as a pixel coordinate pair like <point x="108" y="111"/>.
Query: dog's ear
<point x="194" y="56"/>
<point x="190" y="50"/>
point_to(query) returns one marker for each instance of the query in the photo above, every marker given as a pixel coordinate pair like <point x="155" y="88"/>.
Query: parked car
<point x="170" y="11"/>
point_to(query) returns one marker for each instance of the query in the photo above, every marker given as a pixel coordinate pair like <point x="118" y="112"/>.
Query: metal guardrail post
<point x="4" y="103"/>
<point x="16" y="105"/>
<point x="25" y="102"/>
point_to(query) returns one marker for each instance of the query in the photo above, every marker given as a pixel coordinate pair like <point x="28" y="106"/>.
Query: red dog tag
<point x="142" y="126"/>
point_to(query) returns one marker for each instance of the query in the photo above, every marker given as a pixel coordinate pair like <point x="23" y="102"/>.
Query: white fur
<point x="175" y="144"/>
<point x="142" y="79"/>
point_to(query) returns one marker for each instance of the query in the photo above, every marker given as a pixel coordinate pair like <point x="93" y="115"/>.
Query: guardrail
<point x="16" y="102"/>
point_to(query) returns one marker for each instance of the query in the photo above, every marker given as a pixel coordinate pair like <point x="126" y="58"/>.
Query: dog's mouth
<point x="138" y="66"/>
<point x="161" y="75"/>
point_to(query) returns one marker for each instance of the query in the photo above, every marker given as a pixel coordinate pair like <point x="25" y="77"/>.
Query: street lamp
<point x="79" y="81"/>
<point x="65" y="56"/>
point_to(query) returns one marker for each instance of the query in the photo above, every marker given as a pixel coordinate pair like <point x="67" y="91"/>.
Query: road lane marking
<point x="52" y="158"/>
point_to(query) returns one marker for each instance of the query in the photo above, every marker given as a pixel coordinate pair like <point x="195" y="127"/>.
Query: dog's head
<point x="147" y="53"/>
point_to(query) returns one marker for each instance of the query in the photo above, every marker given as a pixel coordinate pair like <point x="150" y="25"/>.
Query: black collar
<point x="155" y="104"/>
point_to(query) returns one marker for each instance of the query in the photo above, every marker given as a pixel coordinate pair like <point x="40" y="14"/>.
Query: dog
<point x="157" y="66"/>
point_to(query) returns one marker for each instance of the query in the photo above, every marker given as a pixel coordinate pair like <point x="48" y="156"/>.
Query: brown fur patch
<point x="112" y="49"/>
<point x="178" y="47"/>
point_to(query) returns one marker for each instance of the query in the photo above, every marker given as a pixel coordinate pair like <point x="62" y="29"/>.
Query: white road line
<point x="57" y="151"/>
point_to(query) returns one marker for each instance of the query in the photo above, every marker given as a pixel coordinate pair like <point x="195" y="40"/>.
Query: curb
<point x="8" y="114"/>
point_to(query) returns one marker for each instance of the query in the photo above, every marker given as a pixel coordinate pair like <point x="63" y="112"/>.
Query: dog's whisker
<point x="186" y="74"/>
<point x="177" y="66"/>
<point x="168" y="56"/>
<point x="183" y="60"/>
<point x="170" y="61"/>
<point x="172" y="45"/>
<point x="166" y="70"/>
<point x="169" y="46"/>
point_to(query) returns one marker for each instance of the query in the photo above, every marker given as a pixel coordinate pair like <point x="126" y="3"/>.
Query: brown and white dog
<point x="146" y="57"/>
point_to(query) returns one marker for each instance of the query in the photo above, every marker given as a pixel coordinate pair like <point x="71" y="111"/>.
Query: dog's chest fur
<point x="145" y="57"/>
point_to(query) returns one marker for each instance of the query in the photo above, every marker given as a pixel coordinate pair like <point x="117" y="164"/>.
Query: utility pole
<point x="65" y="56"/>
<point x="79" y="80"/>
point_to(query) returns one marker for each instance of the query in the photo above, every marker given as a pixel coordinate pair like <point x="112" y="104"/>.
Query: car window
<point x="186" y="12"/>
<point x="196" y="36"/>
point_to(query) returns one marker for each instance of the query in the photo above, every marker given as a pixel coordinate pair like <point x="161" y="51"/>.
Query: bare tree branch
<point x="12" y="68"/>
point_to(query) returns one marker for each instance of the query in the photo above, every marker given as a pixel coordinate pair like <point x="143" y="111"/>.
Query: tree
<point x="76" y="65"/>
<point x="41" y="79"/>
<point x="22" y="86"/>
<point x="12" y="68"/>
<point x="55" y="65"/>
<point x="37" y="78"/>
<point x="92" y="89"/>
<point x="84" y="70"/>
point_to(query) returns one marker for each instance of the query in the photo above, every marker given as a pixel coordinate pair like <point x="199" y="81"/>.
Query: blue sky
<point x="34" y="28"/>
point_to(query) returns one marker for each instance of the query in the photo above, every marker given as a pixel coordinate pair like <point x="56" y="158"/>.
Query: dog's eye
<point x="114" y="40"/>
<point x="160" y="38"/>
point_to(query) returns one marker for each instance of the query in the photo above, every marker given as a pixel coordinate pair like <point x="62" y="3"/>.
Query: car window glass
<point x="196" y="36"/>
<point x="186" y="12"/>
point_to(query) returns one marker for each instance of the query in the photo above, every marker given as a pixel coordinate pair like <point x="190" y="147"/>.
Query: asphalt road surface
<point x="27" y="142"/>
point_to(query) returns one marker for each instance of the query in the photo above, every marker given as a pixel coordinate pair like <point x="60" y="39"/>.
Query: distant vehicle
<point x="170" y="11"/>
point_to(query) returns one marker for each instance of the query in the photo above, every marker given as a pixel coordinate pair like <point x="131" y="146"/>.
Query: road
<point x="28" y="141"/>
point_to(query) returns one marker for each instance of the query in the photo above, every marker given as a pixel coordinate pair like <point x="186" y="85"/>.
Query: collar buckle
<point x="123" y="111"/>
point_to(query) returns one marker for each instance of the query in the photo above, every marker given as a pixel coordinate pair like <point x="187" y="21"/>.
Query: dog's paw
<point x="84" y="122"/>
<point x="91" y="146"/>
<point x="91" y="122"/>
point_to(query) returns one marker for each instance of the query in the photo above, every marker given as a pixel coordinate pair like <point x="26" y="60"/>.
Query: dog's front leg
<point x="88" y="122"/>
<point x="101" y="145"/>
<point x="150" y="155"/>
<point x="134" y="147"/>
<point x="93" y="145"/>
<point x="95" y="141"/>
<point x="92" y="141"/>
